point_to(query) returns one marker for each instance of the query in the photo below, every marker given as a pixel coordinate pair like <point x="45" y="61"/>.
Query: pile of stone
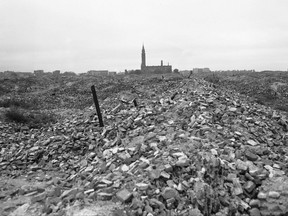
<point x="200" y="152"/>
<point x="266" y="88"/>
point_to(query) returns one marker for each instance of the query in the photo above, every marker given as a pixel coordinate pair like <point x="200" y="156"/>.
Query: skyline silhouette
<point x="72" y="35"/>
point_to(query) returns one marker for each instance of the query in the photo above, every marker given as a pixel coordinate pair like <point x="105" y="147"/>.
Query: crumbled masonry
<point x="206" y="151"/>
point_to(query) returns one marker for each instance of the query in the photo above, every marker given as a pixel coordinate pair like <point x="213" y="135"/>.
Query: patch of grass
<point x="33" y="119"/>
<point x="14" y="114"/>
<point x="6" y="103"/>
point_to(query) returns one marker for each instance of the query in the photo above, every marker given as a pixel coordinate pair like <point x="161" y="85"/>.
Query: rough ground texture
<point x="188" y="148"/>
<point x="267" y="88"/>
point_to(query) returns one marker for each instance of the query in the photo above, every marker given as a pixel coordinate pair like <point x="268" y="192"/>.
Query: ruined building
<point x="98" y="72"/>
<point x="153" y="69"/>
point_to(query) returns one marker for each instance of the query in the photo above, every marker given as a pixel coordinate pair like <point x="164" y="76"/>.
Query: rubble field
<point x="186" y="147"/>
<point x="267" y="88"/>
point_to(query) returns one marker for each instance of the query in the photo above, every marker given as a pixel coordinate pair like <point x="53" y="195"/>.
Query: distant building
<point x="201" y="70"/>
<point x="69" y="73"/>
<point x="9" y="75"/>
<point x="24" y="74"/>
<point x="15" y="75"/>
<point x="98" y="72"/>
<point x="38" y="72"/>
<point x="56" y="72"/>
<point x="112" y="73"/>
<point x="153" y="69"/>
<point x="185" y="72"/>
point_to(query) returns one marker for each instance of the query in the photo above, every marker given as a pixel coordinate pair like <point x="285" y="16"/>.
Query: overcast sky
<point x="79" y="35"/>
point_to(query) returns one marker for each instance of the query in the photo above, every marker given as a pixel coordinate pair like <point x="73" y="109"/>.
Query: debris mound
<point x="204" y="151"/>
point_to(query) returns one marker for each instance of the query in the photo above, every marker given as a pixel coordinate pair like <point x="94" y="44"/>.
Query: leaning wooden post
<point x="97" y="106"/>
<point x="135" y="102"/>
<point x="174" y="95"/>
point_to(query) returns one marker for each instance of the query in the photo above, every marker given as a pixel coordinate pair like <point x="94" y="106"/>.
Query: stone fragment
<point x="156" y="203"/>
<point x="79" y="195"/>
<point x="154" y="174"/>
<point x="252" y="142"/>
<point x="21" y="210"/>
<point x="89" y="191"/>
<point x="165" y="175"/>
<point x="125" y="168"/>
<point x="241" y="165"/>
<point x="179" y="155"/>
<point x="244" y="205"/>
<point x="39" y="197"/>
<point x="124" y="195"/>
<point x="67" y="193"/>
<point x="136" y="203"/>
<point x="262" y="196"/>
<point x="107" y="182"/>
<point x="180" y="187"/>
<point x="251" y="156"/>
<point x="154" y="146"/>
<point x="238" y="133"/>
<point x="249" y="177"/>
<point x="168" y="168"/>
<point x="214" y="152"/>
<point x="254" y="212"/>
<point x="274" y="194"/>
<point x="249" y="186"/>
<point x="169" y="192"/>
<point x="237" y="187"/>
<point x="253" y="170"/>
<point x="148" y="209"/>
<point x="277" y="166"/>
<point x="182" y="162"/>
<point x="142" y="186"/>
<point x="89" y="169"/>
<point x="124" y="156"/>
<point x="195" y="212"/>
<point x="231" y="176"/>
<point x="170" y="183"/>
<point x="92" y="195"/>
<point x="104" y="196"/>
<point x="31" y="193"/>
<point x="254" y="203"/>
<point x="170" y="202"/>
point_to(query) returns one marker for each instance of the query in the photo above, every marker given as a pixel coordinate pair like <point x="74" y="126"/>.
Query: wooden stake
<point x="97" y="106"/>
<point x="135" y="102"/>
<point x="174" y="95"/>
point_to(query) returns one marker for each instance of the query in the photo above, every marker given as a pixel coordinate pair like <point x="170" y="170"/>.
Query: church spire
<point x="143" y="62"/>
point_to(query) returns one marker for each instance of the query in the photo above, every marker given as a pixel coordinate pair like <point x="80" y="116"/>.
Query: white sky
<point x="75" y="35"/>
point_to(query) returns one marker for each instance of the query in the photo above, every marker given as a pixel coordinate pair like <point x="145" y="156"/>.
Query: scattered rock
<point x="254" y="212"/>
<point x="207" y="151"/>
<point x="124" y="195"/>
<point x="251" y="156"/>
<point x="252" y="142"/>
<point x="169" y="193"/>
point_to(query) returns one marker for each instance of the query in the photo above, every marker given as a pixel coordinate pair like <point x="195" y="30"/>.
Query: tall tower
<point x="143" y="63"/>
